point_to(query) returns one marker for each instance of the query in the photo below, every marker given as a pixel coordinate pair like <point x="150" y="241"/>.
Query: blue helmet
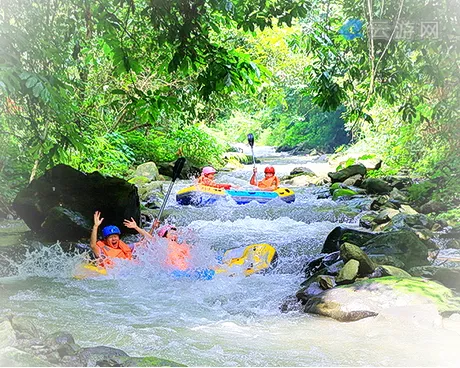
<point x="110" y="230"/>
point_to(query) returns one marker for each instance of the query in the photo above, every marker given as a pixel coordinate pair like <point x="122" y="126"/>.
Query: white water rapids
<point x="227" y="321"/>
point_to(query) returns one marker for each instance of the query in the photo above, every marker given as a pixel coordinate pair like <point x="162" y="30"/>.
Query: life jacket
<point x="106" y="252"/>
<point x="267" y="183"/>
<point x="178" y="256"/>
<point x="203" y="180"/>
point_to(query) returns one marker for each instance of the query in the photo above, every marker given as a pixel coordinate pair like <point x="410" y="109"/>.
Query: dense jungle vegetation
<point x="108" y="84"/>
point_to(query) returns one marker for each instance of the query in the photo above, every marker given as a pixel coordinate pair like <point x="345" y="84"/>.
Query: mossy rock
<point x="148" y="362"/>
<point x="369" y="297"/>
<point x="343" y="193"/>
<point x="139" y="180"/>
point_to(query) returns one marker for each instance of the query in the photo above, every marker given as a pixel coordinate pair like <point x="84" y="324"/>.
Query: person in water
<point x="270" y="182"/>
<point x="207" y="179"/>
<point x="178" y="254"/>
<point x="112" y="246"/>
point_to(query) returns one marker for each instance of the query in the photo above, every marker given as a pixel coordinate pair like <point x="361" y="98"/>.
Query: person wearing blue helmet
<point x="112" y="246"/>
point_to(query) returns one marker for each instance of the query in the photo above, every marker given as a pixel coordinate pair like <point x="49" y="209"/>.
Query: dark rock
<point x="342" y="175"/>
<point x="450" y="277"/>
<point x="367" y="219"/>
<point x="80" y="195"/>
<point x="379" y="202"/>
<point x="404" y="221"/>
<point x="382" y="259"/>
<point x="91" y="357"/>
<point x="340" y="235"/>
<point x="403" y="245"/>
<point x="326" y="282"/>
<point x="433" y="207"/>
<point x="376" y="186"/>
<point x="284" y="148"/>
<point x="189" y="170"/>
<point x="64" y="224"/>
<point x="453" y="243"/>
<point x="302" y="170"/>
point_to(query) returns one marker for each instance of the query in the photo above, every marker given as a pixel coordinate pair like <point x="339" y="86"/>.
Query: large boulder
<point x="376" y="186"/>
<point x="61" y="203"/>
<point x="340" y="235"/>
<point x="404" y="245"/>
<point x="371" y="297"/>
<point x="344" y="174"/>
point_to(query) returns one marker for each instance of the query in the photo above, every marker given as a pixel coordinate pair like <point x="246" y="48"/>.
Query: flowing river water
<point x="227" y="321"/>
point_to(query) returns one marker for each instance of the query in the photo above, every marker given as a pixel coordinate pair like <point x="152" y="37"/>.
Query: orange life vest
<point x="267" y="183"/>
<point x="178" y="256"/>
<point x="106" y="252"/>
<point x="203" y="180"/>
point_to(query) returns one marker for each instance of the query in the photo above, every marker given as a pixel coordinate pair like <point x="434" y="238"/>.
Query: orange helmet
<point x="269" y="170"/>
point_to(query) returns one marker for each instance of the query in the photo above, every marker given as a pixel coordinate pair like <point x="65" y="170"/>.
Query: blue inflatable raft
<point x="200" y="195"/>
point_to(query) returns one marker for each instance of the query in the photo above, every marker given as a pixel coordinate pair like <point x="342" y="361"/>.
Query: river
<point x="227" y="321"/>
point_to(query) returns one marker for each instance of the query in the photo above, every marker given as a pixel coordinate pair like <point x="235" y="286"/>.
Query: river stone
<point x="148" y="170"/>
<point x="350" y="251"/>
<point x="91" y="356"/>
<point x="339" y="235"/>
<point x="386" y="215"/>
<point x="63" y="186"/>
<point x="397" y="195"/>
<point x="302" y="170"/>
<point x="394" y="271"/>
<point x="354" y="180"/>
<point x="450" y="277"/>
<point x="326" y="282"/>
<point x="370" y="297"/>
<point x="376" y="186"/>
<point x="433" y="206"/>
<point x="382" y="259"/>
<point x="403" y="245"/>
<point x="7" y="334"/>
<point x="349" y="171"/>
<point x="302" y="180"/>
<point x="348" y="273"/>
<point x="367" y="218"/>
<point x="408" y="210"/>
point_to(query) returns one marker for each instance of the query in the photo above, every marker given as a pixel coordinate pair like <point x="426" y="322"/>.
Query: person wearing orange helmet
<point x="207" y="179"/>
<point x="269" y="183"/>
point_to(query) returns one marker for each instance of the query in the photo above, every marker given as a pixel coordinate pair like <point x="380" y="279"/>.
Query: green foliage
<point x="421" y="192"/>
<point x="109" y="154"/>
<point x="192" y="142"/>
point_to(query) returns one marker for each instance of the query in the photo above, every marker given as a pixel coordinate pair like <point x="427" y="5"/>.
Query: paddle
<point x="251" y="143"/>
<point x="178" y="165"/>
